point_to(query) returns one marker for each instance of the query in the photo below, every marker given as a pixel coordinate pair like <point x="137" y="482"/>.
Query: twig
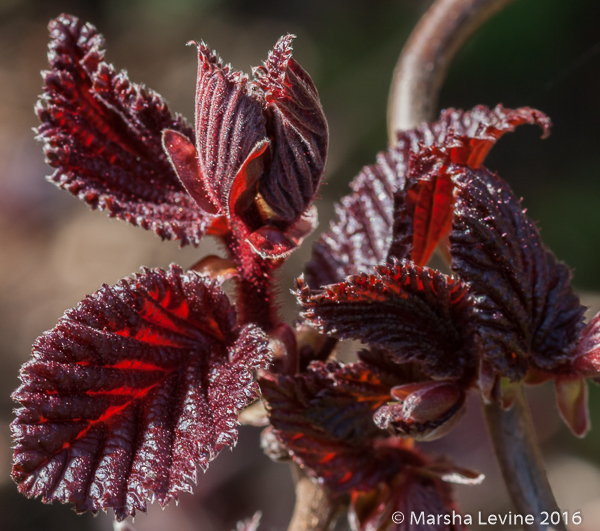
<point x="316" y="509"/>
<point x="418" y="77"/>
<point x="426" y="56"/>
<point x="519" y="457"/>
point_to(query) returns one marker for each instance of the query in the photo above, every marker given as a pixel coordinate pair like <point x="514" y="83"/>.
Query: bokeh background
<point x="53" y="251"/>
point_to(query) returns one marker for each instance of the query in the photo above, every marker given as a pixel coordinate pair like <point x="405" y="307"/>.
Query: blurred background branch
<point x="427" y="55"/>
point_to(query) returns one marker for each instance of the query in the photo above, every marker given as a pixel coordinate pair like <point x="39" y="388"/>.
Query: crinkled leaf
<point x="428" y="198"/>
<point x="360" y="236"/>
<point x="525" y="312"/>
<point x="417" y="312"/>
<point x="102" y="133"/>
<point x="324" y="417"/>
<point x="131" y="391"/>
<point x="230" y="132"/>
<point x="423" y="208"/>
<point x="298" y="127"/>
<point x="481" y="125"/>
<point x="412" y="494"/>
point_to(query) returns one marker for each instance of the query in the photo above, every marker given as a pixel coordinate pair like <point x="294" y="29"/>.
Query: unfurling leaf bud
<point x="261" y="148"/>
<point x="426" y="410"/>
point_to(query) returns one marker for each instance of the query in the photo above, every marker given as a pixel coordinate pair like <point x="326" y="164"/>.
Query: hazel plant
<point x="144" y="380"/>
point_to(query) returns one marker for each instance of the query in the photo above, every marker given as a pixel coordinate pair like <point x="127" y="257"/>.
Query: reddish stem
<point x="256" y="301"/>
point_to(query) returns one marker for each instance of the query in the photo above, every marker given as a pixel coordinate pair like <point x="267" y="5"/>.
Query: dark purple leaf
<point x="102" y="133"/>
<point x="324" y="417"/>
<point x="423" y="501"/>
<point x="298" y="127"/>
<point x="525" y="312"/>
<point x="428" y="198"/>
<point x="133" y="389"/>
<point x="361" y="235"/>
<point x="416" y="312"/>
<point x="230" y="133"/>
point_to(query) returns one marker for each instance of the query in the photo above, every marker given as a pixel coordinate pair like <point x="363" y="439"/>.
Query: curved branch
<point x="519" y="457"/>
<point x="425" y="58"/>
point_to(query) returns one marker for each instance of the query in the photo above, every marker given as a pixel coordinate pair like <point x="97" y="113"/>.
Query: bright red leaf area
<point x="429" y="202"/>
<point x="361" y="235"/>
<point x="134" y="388"/>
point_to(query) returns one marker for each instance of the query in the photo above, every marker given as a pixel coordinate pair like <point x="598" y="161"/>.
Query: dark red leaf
<point x="425" y="503"/>
<point x="270" y="242"/>
<point x="299" y="131"/>
<point x="481" y="125"/>
<point x="102" y="133"/>
<point x="184" y="158"/>
<point x="417" y="312"/>
<point x="133" y="389"/>
<point x="273" y="243"/>
<point x="586" y="357"/>
<point x="423" y="209"/>
<point x="230" y="133"/>
<point x="361" y="235"/>
<point x="525" y="312"/>
<point x="324" y="417"/>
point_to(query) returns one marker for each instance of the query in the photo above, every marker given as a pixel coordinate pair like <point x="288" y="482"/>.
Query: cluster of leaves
<point x="143" y="381"/>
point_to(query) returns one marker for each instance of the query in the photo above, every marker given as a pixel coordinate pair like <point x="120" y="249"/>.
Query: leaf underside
<point x="131" y="391"/>
<point x="361" y="235"/>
